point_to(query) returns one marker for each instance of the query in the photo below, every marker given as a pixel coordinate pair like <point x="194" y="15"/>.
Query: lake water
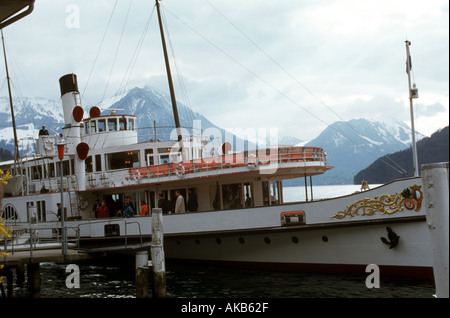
<point x="115" y="277"/>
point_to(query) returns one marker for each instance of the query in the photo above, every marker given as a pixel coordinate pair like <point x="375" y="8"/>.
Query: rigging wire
<point x="183" y="89"/>
<point x="134" y="58"/>
<point x="99" y="48"/>
<point x="402" y="171"/>
<point x="117" y="50"/>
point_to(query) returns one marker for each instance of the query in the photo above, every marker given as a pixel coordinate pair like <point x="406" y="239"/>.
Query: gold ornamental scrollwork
<point x="410" y="198"/>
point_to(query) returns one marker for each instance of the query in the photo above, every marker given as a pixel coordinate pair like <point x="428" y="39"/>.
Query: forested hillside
<point x="429" y="150"/>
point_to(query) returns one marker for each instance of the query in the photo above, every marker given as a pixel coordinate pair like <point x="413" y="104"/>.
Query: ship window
<point x="122" y="124"/>
<point x="149" y="157"/>
<point x="36" y="172"/>
<point x="275" y="193"/>
<point x="98" y="163"/>
<point x="101" y="125"/>
<point x="88" y="164"/>
<point x="51" y="170"/>
<point x="271" y="190"/>
<point x="232" y="196"/>
<point x="130" y="124"/>
<point x="9" y="212"/>
<point x="248" y="193"/>
<point x="66" y="168"/>
<point x="93" y="127"/>
<point x="164" y="159"/>
<point x="164" y="150"/>
<point x="121" y="160"/>
<point x="112" y="124"/>
<point x="41" y="211"/>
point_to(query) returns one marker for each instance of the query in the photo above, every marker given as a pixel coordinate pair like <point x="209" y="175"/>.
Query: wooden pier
<point x="31" y="259"/>
<point x="20" y="260"/>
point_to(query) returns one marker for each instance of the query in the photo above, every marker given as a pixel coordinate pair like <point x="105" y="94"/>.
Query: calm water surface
<point x="114" y="278"/>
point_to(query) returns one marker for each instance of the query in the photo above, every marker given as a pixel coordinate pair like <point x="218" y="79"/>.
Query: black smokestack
<point x="68" y="83"/>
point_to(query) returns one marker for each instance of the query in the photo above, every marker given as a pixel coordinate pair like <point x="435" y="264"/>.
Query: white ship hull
<point x="257" y="237"/>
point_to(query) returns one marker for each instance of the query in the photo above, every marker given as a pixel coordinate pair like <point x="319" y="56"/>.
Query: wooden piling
<point x="435" y="179"/>
<point x="158" y="258"/>
<point x="34" y="280"/>
<point x="142" y="274"/>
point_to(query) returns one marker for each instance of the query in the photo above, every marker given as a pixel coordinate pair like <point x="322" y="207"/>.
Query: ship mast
<point x="169" y="78"/>
<point x="413" y="93"/>
<point x="16" y="144"/>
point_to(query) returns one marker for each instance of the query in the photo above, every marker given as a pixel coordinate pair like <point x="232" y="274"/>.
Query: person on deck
<point x="192" y="204"/>
<point x="96" y="205"/>
<point x="179" y="204"/>
<point x="43" y="131"/>
<point x="163" y="203"/>
<point x="128" y="211"/>
<point x="144" y="208"/>
<point x="103" y="210"/>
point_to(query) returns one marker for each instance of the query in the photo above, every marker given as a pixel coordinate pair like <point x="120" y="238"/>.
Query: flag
<point x="408" y="60"/>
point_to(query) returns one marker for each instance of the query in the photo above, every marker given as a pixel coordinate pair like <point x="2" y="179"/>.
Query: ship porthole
<point x="295" y="239"/>
<point x="267" y="240"/>
<point x="325" y="238"/>
<point x="241" y="240"/>
<point x="218" y="241"/>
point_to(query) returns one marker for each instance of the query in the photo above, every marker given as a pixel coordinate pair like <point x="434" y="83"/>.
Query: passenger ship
<point x="242" y="218"/>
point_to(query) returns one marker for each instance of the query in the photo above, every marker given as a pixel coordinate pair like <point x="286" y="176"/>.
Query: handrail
<point x="251" y="159"/>
<point x="108" y="221"/>
<point x="34" y="239"/>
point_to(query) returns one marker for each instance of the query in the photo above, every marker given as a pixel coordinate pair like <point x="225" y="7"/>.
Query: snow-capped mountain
<point x="30" y="115"/>
<point x="353" y="145"/>
<point x="153" y="106"/>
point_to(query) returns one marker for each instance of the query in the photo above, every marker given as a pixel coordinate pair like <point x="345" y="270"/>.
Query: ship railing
<point x="251" y="159"/>
<point x="109" y="221"/>
<point x="38" y="236"/>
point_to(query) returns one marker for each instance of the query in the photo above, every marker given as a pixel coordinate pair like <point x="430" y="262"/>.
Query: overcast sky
<point x="293" y="65"/>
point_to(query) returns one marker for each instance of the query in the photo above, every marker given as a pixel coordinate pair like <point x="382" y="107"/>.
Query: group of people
<point x="101" y="209"/>
<point x="180" y="206"/>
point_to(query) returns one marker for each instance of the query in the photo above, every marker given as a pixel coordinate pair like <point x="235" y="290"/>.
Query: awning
<point x="14" y="10"/>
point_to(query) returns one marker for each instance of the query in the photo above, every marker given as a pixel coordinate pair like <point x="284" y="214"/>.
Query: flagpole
<point x="413" y="93"/>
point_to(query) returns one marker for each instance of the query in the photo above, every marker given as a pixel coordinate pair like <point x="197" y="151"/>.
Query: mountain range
<point x="429" y="150"/>
<point x="351" y="146"/>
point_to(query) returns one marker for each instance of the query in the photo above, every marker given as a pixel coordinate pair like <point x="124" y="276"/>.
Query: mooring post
<point x="142" y="274"/>
<point x="34" y="280"/>
<point x="158" y="259"/>
<point x="9" y="282"/>
<point x="435" y="179"/>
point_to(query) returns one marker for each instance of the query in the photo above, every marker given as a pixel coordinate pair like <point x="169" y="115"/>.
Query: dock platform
<point x="46" y="255"/>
